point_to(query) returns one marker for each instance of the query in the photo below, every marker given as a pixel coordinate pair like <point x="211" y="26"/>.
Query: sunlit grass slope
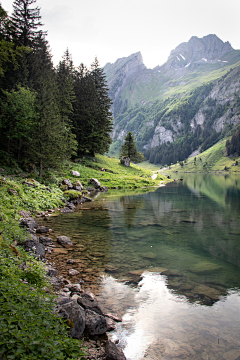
<point x="213" y="159"/>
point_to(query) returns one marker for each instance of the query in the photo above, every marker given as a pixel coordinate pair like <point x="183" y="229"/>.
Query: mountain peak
<point x="207" y="48"/>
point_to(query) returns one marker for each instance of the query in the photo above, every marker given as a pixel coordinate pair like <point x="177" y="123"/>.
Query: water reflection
<point x="171" y="261"/>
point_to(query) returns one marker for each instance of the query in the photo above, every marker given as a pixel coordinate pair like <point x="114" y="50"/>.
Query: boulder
<point x="43" y="229"/>
<point x="76" y="316"/>
<point x="74" y="173"/>
<point x="64" y="241"/>
<point x="37" y="249"/>
<point x="73" y="272"/>
<point x="46" y="241"/>
<point x="96" y="324"/>
<point x="71" y="261"/>
<point x="95" y="183"/>
<point x="90" y="188"/>
<point x="51" y="272"/>
<point x="68" y="183"/>
<point x="24" y="213"/>
<point x="125" y="161"/>
<point x="89" y="303"/>
<point x="66" y="210"/>
<point x="113" y="353"/>
<point x="29" y="222"/>
<point x="104" y="188"/>
<point x="75" y="288"/>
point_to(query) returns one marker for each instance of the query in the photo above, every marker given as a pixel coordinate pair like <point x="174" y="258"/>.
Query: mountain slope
<point x="194" y="95"/>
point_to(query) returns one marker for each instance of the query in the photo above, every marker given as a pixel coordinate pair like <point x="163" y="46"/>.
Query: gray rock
<point x="66" y="210"/>
<point x="95" y="183"/>
<point x="71" y="261"/>
<point x="64" y="241"/>
<point x="78" y="188"/>
<point x="90" y="188"/>
<point x="75" y="288"/>
<point x="86" y="199"/>
<point x="113" y="353"/>
<point x="73" y="272"/>
<point x="104" y="188"/>
<point x="74" y="173"/>
<point x="88" y="303"/>
<point x="24" y="214"/>
<point x="29" y="222"/>
<point x="37" y="249"/>
<point x="111" y="325"/>
<point x="70" y="206"/>
<point x="95" y="324"/>
<point x="51" y="272"/>
<point x="68" y="183"/>
<point x="125" y="161"/>
<point x="76" y="315"/>
<point x="46" y="241"/>
<point x="42" y="229"/>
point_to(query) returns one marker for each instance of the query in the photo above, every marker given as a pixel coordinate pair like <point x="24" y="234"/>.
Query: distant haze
<point x="111" y="29"/>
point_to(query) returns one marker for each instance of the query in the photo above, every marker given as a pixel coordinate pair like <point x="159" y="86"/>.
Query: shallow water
<point x="170" y="265"/>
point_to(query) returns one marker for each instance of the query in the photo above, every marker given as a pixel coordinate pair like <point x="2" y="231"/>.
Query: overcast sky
<point x="111" y="29"/>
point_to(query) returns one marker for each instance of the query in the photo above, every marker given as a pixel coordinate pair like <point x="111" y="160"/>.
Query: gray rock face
<point x="125" y="161"/>
<point x="209" y="47"/>
<point x="95" y="183"/>
<point x="95" y="324"/>
<point x="73" y="272"/>
<point x="113" y="353"/>
<point x="72" y="311"/>
<point x="64" y="241"/>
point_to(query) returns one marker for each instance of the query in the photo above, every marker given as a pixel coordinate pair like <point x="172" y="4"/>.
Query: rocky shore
<point x="75" y="301"/>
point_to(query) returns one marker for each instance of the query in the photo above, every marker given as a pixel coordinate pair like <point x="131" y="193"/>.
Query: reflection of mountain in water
<point x="190" y="235"/>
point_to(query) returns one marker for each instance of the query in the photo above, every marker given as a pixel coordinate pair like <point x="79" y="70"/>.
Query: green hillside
<point x="213" y="159"/>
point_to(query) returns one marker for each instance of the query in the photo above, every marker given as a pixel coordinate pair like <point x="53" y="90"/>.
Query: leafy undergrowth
<point x="29" y="329"/>
<point x="213" y="159"/>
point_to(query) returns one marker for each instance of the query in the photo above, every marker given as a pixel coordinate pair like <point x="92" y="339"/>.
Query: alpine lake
<point x="167" y="260"/>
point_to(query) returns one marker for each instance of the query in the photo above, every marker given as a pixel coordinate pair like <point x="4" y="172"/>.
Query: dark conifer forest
<point x="47" y="114"/>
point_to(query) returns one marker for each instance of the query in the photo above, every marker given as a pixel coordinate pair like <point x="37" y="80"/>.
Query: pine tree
<point x="103" y="127"/>
<point x="26" y="21"/>
<point x="129" y="149"/>
<point x="66" y="93"/>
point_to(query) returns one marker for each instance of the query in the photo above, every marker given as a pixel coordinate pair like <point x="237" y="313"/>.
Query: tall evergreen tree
<point x="26" y="21"/>
<point x="103" y="127"/>
<point x="66" y="96"/>
<point x="129" y="149"/>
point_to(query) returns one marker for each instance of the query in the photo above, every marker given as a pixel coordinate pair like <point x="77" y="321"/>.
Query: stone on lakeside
<point x="96" y="324"/>
<point x="113" y="353"/>
<point x="43" y="229"/>
<point x="95" y="183"/>
<point x="76" y="316"/>
<point x="64" y="241"/>
<point x="34" y="247"/>
<point x="73" y="272"/>
<point x="46" y="241"/>
<point x="74" y="173"/>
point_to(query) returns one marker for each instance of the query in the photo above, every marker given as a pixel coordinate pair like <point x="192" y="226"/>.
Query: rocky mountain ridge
<point x="198" y="87"/>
